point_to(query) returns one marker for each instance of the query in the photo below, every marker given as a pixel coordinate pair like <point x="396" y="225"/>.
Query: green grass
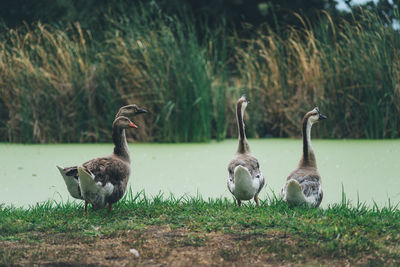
<point x="340" y="232"/>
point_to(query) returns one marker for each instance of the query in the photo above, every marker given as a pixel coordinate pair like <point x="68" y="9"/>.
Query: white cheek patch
<point x="314" y="118"/>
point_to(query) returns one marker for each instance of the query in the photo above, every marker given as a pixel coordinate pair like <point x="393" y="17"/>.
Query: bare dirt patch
<point x="157" y="245"/>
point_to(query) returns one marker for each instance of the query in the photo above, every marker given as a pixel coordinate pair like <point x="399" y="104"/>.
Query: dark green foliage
<point x="89" y="12"/>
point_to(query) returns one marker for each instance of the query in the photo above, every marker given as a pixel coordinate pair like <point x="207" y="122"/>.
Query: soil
<point x="157" y="246"/>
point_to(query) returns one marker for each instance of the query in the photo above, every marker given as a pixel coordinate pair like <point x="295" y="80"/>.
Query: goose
<point x="245" y="179"/>
<point x="303" y="185"/>
<point x="71" y="175"/>
<point x="103" y="180"/>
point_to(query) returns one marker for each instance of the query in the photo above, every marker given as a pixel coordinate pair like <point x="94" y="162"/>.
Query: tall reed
<point x="63" y="85"/>
<point x="49" y="85"/>
<point x="162" y="63"/>
<point x="350" y="70"/>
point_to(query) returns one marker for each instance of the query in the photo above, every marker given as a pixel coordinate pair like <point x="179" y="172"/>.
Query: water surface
<point x="368" y="170"/>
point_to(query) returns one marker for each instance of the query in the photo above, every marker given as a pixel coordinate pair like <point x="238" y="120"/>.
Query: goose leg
<point x="85" y="209"/>
<point x="239" y="202"/>
<point x="109" y="208"/>
<point x="256" y="200"/>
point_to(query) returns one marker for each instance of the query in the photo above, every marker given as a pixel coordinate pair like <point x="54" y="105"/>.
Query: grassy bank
<point x="64" y="85"/>
<point x="195" y="231"/>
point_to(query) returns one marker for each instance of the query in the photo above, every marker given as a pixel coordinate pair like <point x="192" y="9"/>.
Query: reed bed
<point x="63" y="85"/>
<point x="170" y="71"/>
<point x="350" y="70"/>
<point x="49" y="86"/>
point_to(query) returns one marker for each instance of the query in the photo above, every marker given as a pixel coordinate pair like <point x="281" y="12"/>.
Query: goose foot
<point x="256" y="200"/>
<point x="85" y="209"/>
<point x="239" y="202"/>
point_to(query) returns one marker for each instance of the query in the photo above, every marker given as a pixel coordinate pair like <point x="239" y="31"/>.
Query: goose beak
<point x="322" y="117"/>
<point x="131" y="124"/>
<point x="141" y="110"/>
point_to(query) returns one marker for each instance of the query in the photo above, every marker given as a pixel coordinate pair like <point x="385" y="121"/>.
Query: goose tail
<point x="91" y="191"/>
<point x="294" y="193"/>
<point x="71" y="182"/>
<point x="244" y="189"/>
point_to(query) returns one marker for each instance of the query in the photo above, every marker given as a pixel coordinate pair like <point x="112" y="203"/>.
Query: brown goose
<point x="71" y="174"/>
<point x="303" y="186"/>
<point x="245" y="179"/>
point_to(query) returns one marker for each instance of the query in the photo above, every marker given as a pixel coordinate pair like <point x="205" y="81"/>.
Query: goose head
<point x="314" y="116"/>
<point x="124" y="123"/>
<point x="242" y="103"/>
<point x="130" y="111"/>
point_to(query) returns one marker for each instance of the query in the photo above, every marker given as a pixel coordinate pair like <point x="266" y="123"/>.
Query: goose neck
<point x="243" y="145"/>
<point x="120" y="143"/>
<point x="308" y="157"/>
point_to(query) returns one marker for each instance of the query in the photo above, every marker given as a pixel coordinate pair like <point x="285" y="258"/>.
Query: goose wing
<point x="312" y="189"/>
<point x="246" y="160"/>
<point x="107" y="169"/>
<point x="310" y="184"/>
<point x="103" y="180"/>
<point x="262" y="181"/>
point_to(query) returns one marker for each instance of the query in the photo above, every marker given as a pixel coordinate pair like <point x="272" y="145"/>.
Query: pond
<point x="369" y="171"/>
